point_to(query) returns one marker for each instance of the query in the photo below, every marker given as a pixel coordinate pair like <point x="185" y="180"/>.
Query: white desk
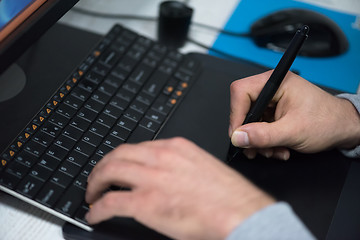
<point x="19" y="220"/>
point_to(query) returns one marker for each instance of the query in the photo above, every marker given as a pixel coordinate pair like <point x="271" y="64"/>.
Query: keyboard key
<point x="81" y="182"/>
<point x="101" y="97"/>
<point x="87" y="114"/>
<point x="103" y="150"/>
<point x="35" y="148"/>
<point x="133" y="115"/>
<point x="71" y="200"/>
<point x="59" y="120"/>
<point x="149" y="124"/>
<point x="29" y="186"/>
<point x="94" y="77"/>
<point x="73" y="102"/>
<point x="112" y="141"/>
<point x="141" y="134"/>
<point x="73" y="133"/>
<point x="51" y="129"/>
<point x="87" y="170"/>
<point x="69" y="168"/>
<point x="41" y="172"/>
<point x="114" y="81"/>
<point x="17" y="169"/>
<point x="141" y="74"/>
<point x="85" y="148"/>
<point x="112" y="111"/>
<point x="107" y="89"/>
<point x="120" y="132"/>
<point x="138" y="106"/>
<point x="155" y="83"/>
<point x="80" y="123"/>
<point x="43" y="138"/>
<point x="57" y="152"/>
<point x="9" y="180"/>
<point x="66" y="111"/>
<point x="80" y="214"/>
<point x="65" y="142"/>
<point x="155" y="116"/>
<point x="127" y="123"/>
<point x="95" y="159"/>
<point x="106" y="120"/>
<point x="49" y="162"/>
<point x="94" y="105"/>
<point x="119" y="103"/>
<point x="92" y="138"/>
<point x="88" y="85"/>
<point x="62" y="179"/>
<point x="125" y="94"/>
<point x="80" y="93"/>
<point x="50" y="193"/>
<point x="99" y="129"/>
<point x="160" y="105"/>
<point x="26" y="159"/>
<point x="77" y="158"/>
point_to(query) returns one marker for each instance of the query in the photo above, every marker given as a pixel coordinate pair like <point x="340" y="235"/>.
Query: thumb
<point x="261" y="135"/>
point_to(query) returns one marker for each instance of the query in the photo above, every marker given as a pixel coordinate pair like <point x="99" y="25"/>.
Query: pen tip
<point x="304" y="29"/>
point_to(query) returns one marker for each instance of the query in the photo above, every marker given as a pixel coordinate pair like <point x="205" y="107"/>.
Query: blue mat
<point x="340" y="72"/>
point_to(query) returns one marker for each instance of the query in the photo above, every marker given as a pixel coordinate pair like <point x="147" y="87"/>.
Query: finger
<point x="243" y="92"/>
<point x="281" y="153"/>
<point x="265" y="135"/>
<point x="118" y="173"/>
<point x="111" y="204"/>
<point x="250" y="153"/>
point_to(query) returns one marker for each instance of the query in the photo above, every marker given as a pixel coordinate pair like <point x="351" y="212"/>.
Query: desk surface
<point x="20" y="220"/>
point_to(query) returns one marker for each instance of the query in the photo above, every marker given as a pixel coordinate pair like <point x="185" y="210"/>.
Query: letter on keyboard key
<point x="140" y="134"/>
<point x="71" y="200"/>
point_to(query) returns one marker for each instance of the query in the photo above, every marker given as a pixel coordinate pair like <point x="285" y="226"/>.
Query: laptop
<point x="85" y="94"/>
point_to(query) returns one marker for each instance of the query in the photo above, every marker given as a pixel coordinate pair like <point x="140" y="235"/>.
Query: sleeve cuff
<point x="355" y="100"/>
<point x="277" y="221"/>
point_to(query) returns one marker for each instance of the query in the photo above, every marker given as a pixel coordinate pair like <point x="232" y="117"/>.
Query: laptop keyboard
<point x="124" y="91"/>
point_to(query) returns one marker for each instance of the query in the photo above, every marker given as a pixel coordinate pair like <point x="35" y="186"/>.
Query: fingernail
<point x="240" y="139"/>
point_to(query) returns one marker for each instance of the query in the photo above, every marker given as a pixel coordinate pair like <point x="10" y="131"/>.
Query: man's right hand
<point x="301" y="116"/>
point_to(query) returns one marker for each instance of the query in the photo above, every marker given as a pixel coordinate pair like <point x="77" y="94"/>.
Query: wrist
<point x="350" y="125"/>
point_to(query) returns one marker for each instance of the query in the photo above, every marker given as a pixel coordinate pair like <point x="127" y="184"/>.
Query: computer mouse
<point x="276" y="30"/>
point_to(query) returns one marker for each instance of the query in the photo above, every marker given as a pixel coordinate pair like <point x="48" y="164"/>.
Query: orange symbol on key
<point x="12" y="153"/>
<point x="3" y="162"/>
<point x="27" y="135"/>
<point x="19" y="144"/>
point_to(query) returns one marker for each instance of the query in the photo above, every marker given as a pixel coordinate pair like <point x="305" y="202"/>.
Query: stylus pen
<point x="272" y="85"/>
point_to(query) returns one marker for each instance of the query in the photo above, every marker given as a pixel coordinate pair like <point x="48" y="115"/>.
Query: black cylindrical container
<point x="174" y="22"/>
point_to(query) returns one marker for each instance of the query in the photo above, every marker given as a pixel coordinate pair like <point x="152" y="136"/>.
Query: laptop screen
<point x="22" y="22"/>
<point x="13" y="13"/>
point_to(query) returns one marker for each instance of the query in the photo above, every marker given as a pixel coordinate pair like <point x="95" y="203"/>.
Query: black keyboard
<point x="124" y="91"/>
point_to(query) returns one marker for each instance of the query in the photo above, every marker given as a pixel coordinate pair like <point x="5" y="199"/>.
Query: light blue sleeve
<point x="277" y="221"/>
<point x="355" y="100"/>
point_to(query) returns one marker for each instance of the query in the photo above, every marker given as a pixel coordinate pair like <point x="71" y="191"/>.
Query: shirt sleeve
<point x="277" y="221"/>
<point x="355" y="100"/>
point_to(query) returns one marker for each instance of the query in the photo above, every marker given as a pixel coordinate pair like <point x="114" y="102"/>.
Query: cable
<point x="146" y="18"/>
